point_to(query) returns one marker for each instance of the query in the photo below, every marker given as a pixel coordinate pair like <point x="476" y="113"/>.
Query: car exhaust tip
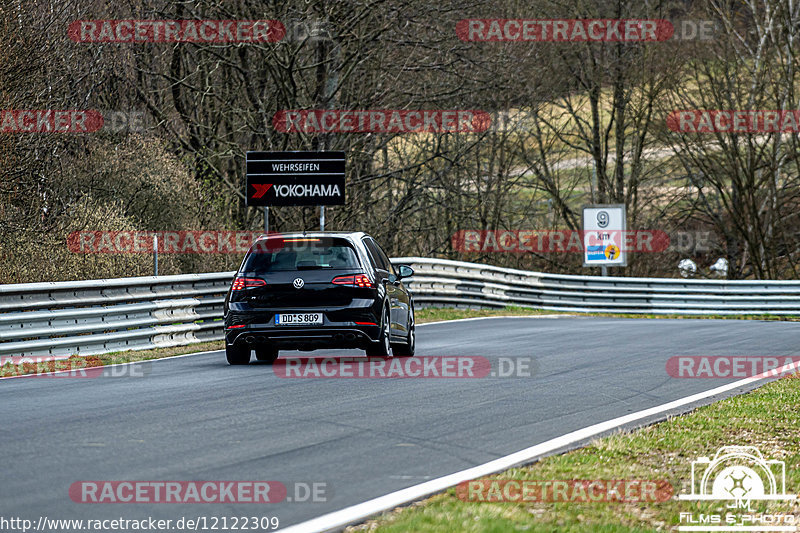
<point x="350" y="336"/>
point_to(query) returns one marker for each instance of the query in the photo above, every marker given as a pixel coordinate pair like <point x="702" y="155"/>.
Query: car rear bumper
<point x="339" y="328"/>
<point x="305" y="338"/>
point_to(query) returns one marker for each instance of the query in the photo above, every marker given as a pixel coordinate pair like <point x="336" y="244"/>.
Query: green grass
<point x="767" y="418"/>
<point x="436" y="314"/>
<point x="77" y="362"/>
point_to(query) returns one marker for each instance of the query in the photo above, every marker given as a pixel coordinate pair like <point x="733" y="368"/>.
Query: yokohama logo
<point x="284" y="191"/>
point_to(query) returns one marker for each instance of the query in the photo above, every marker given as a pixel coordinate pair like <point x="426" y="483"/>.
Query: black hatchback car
<point x="303" y="291"/>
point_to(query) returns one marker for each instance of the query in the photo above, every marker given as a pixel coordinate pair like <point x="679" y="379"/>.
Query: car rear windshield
<point x="277" y="254"/>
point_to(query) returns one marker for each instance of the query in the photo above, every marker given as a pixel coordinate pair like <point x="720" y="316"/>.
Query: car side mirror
<point x="404" y="271"/>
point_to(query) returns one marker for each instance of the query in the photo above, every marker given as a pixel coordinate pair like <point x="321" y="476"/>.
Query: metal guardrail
<point x="101" y="316"/>
<point x="107" y="315"/>
<point x="443" y="283"/>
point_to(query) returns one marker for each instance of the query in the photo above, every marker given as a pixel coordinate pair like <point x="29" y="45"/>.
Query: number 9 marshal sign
<point x="604" y="235"/>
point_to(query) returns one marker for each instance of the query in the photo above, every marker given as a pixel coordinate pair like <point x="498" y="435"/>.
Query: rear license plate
<point x="298" y="319"/>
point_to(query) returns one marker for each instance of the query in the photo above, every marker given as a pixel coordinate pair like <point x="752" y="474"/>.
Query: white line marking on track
<point x="360" y="512"/>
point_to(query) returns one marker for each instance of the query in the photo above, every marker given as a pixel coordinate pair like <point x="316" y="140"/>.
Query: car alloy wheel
<point x="407" y="349"/>
<point x="383" y="348"/>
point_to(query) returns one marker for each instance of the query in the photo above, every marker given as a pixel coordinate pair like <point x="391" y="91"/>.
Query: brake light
<point x="245" y="283"/>
<point x="358" y="280"/>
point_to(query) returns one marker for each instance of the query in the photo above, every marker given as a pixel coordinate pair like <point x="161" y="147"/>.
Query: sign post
<point x="155" y="255"/>
<point x="295" y="178"/>
<point x="604" y="228"/>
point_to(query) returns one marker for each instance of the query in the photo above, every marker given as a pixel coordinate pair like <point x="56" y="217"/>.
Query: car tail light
<point x="357" y="280"/>
<point x="245" y="283"/>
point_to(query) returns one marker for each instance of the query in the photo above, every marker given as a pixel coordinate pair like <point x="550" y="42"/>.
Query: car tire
<point x="237" y="354"/>
<point x="407" y="348"/>
<point x="383" y="347"/>
<point x="266" y="354"/>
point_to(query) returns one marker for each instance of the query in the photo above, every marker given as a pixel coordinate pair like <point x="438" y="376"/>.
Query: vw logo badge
<point x="298" y="283"/>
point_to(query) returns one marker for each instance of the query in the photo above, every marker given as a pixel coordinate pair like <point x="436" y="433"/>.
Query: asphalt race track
<point x="196" y="418"/>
